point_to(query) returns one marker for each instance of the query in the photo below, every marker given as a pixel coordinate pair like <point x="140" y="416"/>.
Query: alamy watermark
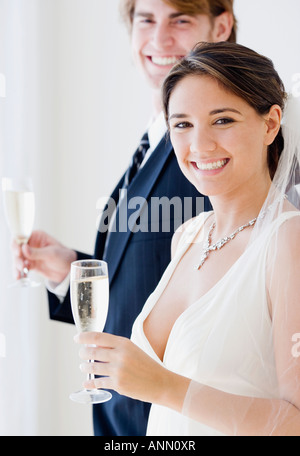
<point x="137" y="214"/>
<point x="296" y="347"/>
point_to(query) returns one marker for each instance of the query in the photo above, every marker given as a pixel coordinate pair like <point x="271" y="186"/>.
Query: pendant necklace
<point x="207" y="247"/>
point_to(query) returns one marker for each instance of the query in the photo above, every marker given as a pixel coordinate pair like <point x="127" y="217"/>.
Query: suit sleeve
<point x="61" y="311"/>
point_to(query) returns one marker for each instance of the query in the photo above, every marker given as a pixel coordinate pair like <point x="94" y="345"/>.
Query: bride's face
<point x="220" y="141"/>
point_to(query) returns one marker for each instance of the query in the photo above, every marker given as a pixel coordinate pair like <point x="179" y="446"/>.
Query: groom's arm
<point x="60" y="310"/>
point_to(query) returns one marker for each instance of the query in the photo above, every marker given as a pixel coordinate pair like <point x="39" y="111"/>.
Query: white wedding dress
<point x="224" y="339"/>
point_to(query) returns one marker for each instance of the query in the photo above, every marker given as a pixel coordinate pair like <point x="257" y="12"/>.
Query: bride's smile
<point x="211" y="165"/>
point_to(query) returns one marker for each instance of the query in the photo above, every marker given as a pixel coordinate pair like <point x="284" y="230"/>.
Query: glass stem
<point x="90" y="376"/>
<point x="25" y="271"/>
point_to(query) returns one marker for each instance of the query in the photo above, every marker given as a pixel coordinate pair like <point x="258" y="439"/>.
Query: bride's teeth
<point x="164" y="61"/>
<point x="211" y="165"/>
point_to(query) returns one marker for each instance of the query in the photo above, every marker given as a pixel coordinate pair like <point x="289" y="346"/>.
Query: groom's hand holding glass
<point x="19" y="208"/>
<point x="45" y="255"/>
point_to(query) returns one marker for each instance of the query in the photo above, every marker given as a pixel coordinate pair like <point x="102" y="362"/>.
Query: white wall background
<point x="70" y="84"/>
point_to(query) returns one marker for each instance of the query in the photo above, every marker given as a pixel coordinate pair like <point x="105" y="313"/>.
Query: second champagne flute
<point x="19" y="205"/>
<point x="89" y="301"/>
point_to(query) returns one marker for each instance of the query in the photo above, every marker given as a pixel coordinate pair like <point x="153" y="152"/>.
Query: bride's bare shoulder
<point x="287" y="239"/>
<point x="187" y="230"/>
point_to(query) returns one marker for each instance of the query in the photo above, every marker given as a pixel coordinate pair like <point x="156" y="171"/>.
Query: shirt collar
<point x="156" y="130"/>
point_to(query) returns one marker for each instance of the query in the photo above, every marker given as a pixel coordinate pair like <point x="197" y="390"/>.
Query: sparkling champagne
<point x="89" y="298"/>
<point x="19" y="209"/>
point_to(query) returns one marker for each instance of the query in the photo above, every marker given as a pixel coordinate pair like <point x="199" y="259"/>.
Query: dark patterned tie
<point x="130" y="173"/>
<point x="137" y="159"/>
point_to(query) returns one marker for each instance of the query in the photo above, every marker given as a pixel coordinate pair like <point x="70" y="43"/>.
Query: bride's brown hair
<point x="240" y="70"/>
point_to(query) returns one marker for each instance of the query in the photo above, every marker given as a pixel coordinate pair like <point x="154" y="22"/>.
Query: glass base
<point x="25" y="282"/>
<point x="91" y="396"/>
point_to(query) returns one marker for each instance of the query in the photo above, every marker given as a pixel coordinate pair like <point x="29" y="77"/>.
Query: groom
<point x="162" y="31"/>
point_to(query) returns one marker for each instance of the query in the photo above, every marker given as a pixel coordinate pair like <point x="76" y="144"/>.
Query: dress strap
<point x="191" y="229"/>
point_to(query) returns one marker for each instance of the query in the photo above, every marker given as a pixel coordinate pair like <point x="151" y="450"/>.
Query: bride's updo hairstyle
<point x="240" y="70"/>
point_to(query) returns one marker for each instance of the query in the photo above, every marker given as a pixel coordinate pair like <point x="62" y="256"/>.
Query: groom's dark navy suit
<point x="136" y="260"/>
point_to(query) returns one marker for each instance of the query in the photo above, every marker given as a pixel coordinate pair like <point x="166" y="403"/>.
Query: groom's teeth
<point x="211" y="165"/>
<point x="164" y="61"/>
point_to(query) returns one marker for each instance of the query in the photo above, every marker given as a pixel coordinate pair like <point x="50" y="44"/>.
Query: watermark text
<point x="296" y="346"/>
<point x="137" y="214"/>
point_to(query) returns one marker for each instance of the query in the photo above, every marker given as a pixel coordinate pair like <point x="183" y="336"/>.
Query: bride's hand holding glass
<point x="124" y="367"/>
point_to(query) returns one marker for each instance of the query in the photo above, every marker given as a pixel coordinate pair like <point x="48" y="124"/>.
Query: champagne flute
<point x="19" y="205"/>
<point x="89" y="301"/>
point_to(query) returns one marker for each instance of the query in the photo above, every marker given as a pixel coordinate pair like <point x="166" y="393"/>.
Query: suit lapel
<point x="141" y="187"/>
<point x="105" y="220"/>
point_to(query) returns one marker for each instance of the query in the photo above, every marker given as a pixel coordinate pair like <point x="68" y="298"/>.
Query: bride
<point x="215" y="346"/>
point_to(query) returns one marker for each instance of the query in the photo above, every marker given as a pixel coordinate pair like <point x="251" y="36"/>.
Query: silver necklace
<point x="208" y="247"/>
